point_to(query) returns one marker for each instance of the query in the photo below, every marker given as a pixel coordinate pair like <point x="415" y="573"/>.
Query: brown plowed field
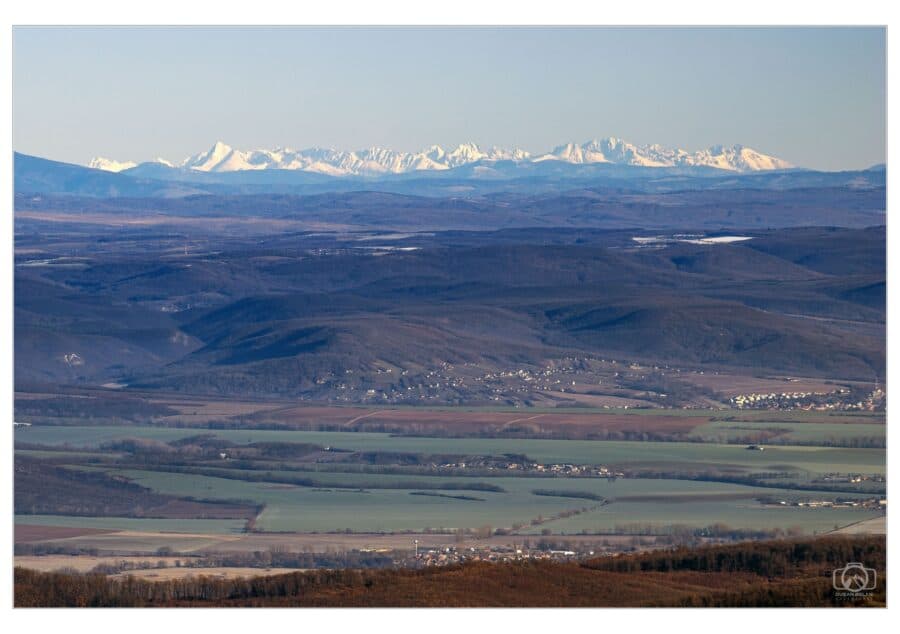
<point x="475" y="422"/>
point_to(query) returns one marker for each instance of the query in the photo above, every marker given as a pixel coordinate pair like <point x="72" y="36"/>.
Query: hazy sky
<point x="815" y="97"/>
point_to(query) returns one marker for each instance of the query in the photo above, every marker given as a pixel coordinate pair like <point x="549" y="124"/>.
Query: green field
<point x="304" y="509"/>
<point x="811" y="433"/>
<point x="809" y="459"/>
<point x="135" y="523"/>
<point x="368" y="502"/>
<point x="77" y="455"/>
<point x="735" y="513"/>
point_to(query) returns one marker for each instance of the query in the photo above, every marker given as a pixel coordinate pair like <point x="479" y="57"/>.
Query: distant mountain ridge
<point x="35" y="175"/>
<point x="377" y="161"/>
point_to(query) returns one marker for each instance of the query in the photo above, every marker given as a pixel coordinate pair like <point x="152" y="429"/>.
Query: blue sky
<point x="813" y="96"/>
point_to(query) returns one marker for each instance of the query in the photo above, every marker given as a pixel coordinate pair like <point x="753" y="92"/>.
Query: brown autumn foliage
<point x="775" y="573"/>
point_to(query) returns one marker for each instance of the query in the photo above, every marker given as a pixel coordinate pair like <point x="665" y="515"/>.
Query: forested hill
<point x="794" y="573"/>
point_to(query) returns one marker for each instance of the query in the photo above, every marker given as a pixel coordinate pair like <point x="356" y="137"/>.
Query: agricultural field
<point x="144" y="545"/>
<point x="810" y="459"/>
<point x="863" y="434"/>
<point x="142" y="567"/>
<point x="86" y="563"/>
<point x="384" y="510"/>
<point x="321" y="481"/>
<point x="221" y="572"/>
<point x="735" y="511"/>
<point x="142" y="541"/>
<point x="588" y="420"/>
<point x="570" y="422"/>
<point x="358" y="502"/>
<point x="149" y="525"/>
<point x="729" y="385"/>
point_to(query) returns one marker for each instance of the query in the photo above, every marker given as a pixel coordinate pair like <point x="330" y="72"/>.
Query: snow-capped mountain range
<point x="377" y="161"/>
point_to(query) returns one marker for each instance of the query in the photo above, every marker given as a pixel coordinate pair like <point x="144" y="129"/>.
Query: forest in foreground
<point x="795" y="573"/>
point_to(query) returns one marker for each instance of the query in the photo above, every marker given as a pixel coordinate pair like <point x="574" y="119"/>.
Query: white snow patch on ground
<point x="688" y="239"/>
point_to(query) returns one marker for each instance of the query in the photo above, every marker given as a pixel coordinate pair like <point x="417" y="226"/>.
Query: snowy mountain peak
<point x="109" y="165"/>
<point x="740" y="158"/>
<point x="376" y="160"/>
<point x="211" y="159"/>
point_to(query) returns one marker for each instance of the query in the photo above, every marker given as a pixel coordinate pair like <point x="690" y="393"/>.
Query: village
<point x="606" y="383"/>
<point x="490" y="463"/>
<point x="450" y="555"/>
<point x="576" y="381"/>
<point x="873" y="503"/>
<point x="841" y="399"/>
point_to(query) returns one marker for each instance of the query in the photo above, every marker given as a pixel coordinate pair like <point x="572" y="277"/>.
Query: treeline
<point x="774" y="436"/>
<point x="268" y="476"/>
<point x="769" y="559"/>
<point x="104" y="409"/>
<point x="693" y="534"/>
<point x="206" y="451"/>
<point x="775" y="439"/>
<point x="209" y="446"/>
<point x="468" y="498"/>
<point x="562" y="493"/>
<point x="760" y="479"/>
<point x="261" y="559"/>
<point x="787" y="573"/>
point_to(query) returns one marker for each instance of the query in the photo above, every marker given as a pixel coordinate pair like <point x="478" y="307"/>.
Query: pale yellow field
<point x="167" y="574"/>
<point x="874" y="526"/>
<point x="84" y="563"/>
<point x="734" y="384"/>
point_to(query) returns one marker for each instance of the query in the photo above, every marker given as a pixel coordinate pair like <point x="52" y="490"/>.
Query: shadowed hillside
<point x="286" y="315"/>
